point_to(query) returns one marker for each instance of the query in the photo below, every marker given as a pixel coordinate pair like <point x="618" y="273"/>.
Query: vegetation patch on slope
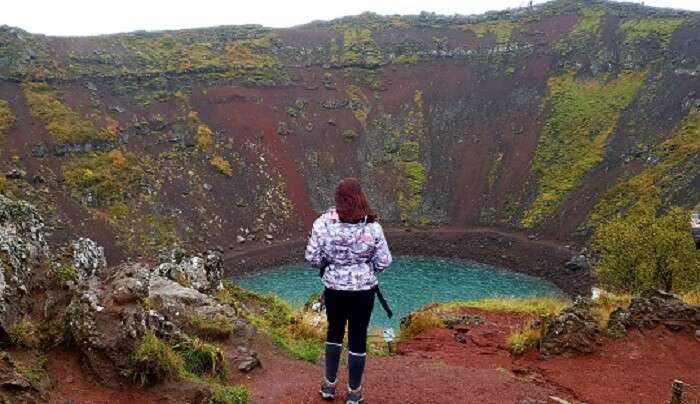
<point x="502" y="30"/>
<point x="583" y="114"/>
<point x="640" y="30"/>
<point x="669" y="157"/>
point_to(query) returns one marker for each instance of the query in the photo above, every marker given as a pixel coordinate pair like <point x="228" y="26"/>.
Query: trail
<point x="434" y="368"/>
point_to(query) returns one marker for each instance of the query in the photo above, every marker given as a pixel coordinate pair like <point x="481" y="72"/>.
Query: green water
<point x="408" y="284"/>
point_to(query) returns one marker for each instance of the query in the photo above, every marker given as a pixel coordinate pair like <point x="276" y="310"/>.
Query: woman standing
<point x="349" y="247"/>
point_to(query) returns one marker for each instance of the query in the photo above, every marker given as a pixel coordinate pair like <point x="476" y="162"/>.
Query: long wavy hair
<point x="351" y="202"/>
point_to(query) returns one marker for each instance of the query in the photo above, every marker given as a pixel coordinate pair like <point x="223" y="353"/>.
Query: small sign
<point x="389" y="335"/>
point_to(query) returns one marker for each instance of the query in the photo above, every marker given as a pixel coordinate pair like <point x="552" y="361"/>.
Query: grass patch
<point x="522" y="340"/>
<point x="218" y="327"/>
<point x="502" y="30"/>
<point x="25" y="333"/>
<point x="202" y="359"/>
<point x="661" y="29"/>
<point x="204" y="137"/>
<point x="273" y="316"/>
<point x="672" y="153"/>
<point x="102" y="178"/>
<point x="62" y="123"/>
<point x="230" y="395"/>
<point x="533" y="306"/>
<point x="583" y="114"/>
<point x="153" y="360"/>
<point x="418" y="322"/>
<point x="692" y="297"/>
<point x="65" y="274"/>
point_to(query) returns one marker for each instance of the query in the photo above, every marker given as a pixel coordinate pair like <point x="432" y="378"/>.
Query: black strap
<point x="383" y="302"/>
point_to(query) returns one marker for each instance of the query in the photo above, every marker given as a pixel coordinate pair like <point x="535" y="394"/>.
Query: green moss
<point x="502" y="30"/>
<point x="36" y="372"/>
<point x="409" y="151"/>
<point x="495" y="167"/>
<point x="62" y="123"/>
<point x="359" y="47"/>
<point x="102" y="178"/>
<point x="407" y="59"/>
<point x="412" y="174"/>
<point x="7" y="118"/>
<point x="585" y="32"/>
<point x="154" y="360"/>
<point x="363" y="107"/>
<point x="640" y="30"/>
<point x="672" y="153"/>
<point x="583" y="114"/>
<point x="230" y="395"/>
<point x="202" y="359"/>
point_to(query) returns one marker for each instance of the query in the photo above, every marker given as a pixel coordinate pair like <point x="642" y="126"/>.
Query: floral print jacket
<point x="353" y="253"/>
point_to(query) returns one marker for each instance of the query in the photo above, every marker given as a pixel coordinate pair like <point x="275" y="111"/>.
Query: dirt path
<point x="434" y="368"/>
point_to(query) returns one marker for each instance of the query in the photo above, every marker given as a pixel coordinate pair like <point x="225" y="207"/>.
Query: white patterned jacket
<point x="353" y="253"/>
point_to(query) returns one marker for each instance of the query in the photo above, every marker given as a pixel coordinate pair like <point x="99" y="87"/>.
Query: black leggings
<point x="353" y="308"/>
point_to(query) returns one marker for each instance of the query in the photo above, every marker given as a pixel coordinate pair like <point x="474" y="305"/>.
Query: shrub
<point x="153" y="360"/>
<point x="205" y="138"/>
<point x="200" y="358"/>
<point x="230" y="395"/>
<point x="222" y="165"/>
<point x="25" y="333"/>
<point x="65" y="274"/>
<point x="643" y="251"/>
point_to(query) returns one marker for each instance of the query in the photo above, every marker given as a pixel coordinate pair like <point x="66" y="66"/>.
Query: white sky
<point x="91" y="17"/>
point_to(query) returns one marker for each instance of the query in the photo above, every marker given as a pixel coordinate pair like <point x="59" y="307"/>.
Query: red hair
<point x="351" y="202"/>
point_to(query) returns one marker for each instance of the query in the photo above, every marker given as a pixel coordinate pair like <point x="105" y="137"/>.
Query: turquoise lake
<point x="408" y="284"/>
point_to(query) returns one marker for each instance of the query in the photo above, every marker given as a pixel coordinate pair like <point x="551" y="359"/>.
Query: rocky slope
<point x="542" y="119"/>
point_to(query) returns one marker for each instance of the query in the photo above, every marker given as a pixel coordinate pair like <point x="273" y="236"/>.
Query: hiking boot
<point x="354" y="396"/>
<point x="327" y="391"/>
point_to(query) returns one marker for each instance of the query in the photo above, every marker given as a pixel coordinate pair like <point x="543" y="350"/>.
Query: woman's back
<point x="352" y="253"/>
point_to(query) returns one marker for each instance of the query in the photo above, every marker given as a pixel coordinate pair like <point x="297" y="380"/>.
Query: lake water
<point x="408" y="284"/>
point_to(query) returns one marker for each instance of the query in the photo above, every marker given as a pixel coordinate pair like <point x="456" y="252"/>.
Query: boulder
<point x="22" y="246"/>
<point x="112" y="310"/>
<point x="14" y="386"/>
<point x="574" y="331"/>
<point x="654" y="307"/>
<point x="202" y="272"/>
<point x="579" y="262"/>
<point x="88" y="258"/>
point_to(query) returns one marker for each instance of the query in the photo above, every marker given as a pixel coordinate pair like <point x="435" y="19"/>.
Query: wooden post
<point x="677" y="392"/>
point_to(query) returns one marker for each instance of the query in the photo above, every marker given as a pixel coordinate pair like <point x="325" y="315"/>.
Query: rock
<point x="240" y="239"/>
<point x="574" y="331"/>
<point x="208" y="187"/>
<point x="16" y="174"/>
<point x="653" y="308"/>
<point x="22" y="246"/>
<point x="113" y="309"/>
<point x="455" y="320"/>
<point x="697" y="334"/>
<point x="249" y="363"/>
<point x="578" y="262"/>
<point x="269" y="237"/>
<point x="203" y="273"/>
<point x="88" y="258"/>
<point x="14" y="386"/>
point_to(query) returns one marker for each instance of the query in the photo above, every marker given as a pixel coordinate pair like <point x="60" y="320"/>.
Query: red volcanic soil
<point x="434" y="368"/>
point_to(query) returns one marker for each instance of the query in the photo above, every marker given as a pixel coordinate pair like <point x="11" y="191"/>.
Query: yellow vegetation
<point x="222" y="165"/>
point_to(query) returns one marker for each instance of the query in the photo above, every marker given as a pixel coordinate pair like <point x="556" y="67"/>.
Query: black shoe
<point x="327" y="391"/>
<point x="354" y="396"/>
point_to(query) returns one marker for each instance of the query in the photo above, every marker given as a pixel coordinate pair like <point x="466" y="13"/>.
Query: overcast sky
<point x="91" y="17"/>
